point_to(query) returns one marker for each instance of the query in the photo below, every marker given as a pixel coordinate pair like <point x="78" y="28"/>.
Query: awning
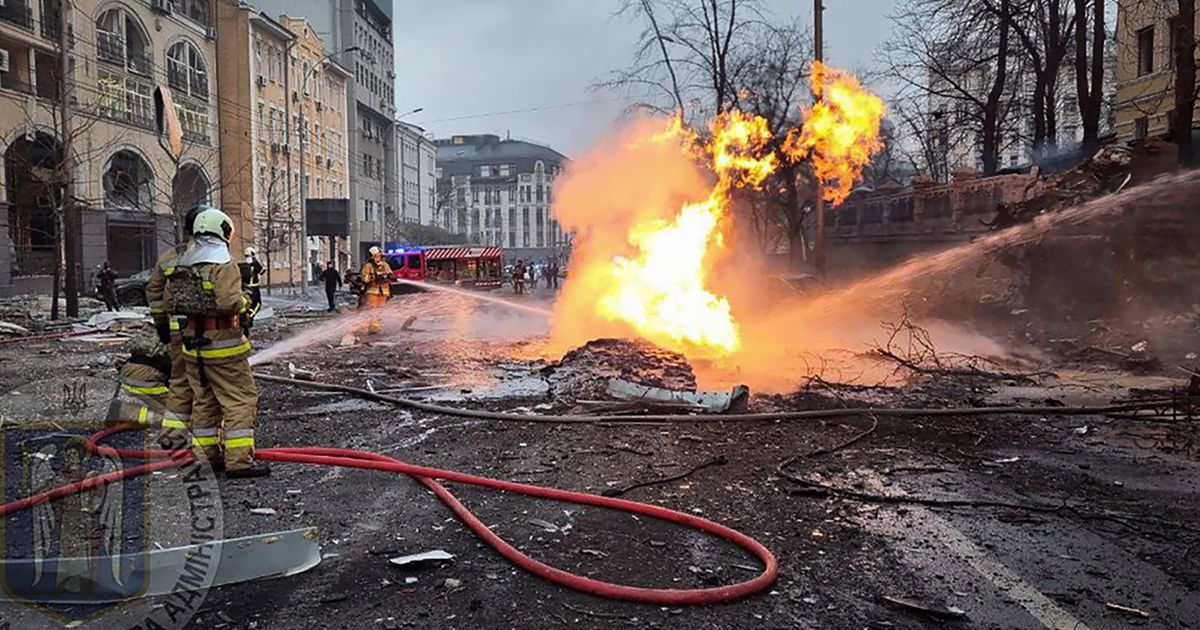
<point x="454" y="253"/>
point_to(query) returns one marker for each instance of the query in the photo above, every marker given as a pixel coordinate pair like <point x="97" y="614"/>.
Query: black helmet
<point x="189" y="219"/>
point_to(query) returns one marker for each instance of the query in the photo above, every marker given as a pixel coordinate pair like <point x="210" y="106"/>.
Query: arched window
<point x="127" y="182"/>
<point x="186" y="71"/>
<point x="121" y="40"/>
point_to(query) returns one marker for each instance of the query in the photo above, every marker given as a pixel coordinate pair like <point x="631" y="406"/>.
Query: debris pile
<point x="584" y="373"/>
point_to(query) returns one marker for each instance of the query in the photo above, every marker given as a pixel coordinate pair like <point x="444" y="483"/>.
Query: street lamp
<point x="383" y="228"/>
<point x="415" y="111"/>
<point x="301" y="132"/>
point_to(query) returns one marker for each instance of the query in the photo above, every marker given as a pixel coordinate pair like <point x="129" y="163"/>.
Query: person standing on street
<point x="206" y="286"/>
<point x="252" y="271"/>
<point x="518" y="277"/>
<point x="333" y="280"/>
<point x="553" y="273"/>
<point x="178" y="415"/>
<point x="106" y="279"/>
<point x="377" y="280"/>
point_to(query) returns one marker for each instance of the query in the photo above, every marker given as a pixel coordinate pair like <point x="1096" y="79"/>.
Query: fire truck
<point x="459" y="265"/>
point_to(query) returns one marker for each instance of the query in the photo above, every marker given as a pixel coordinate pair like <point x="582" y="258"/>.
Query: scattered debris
<point x="583" y="373"/>
<point x="949" y="612"/>
<point x="1127" y="610"/>
<point x="263" y="511"/>
<point x="715" y="461"/>
<point x="451" y="583"/>
<point x="7" y="328"/>
<point x="550" y="527"/>
<point x="119" y="320"/>
<point x="300" y="374"/>
<point x="436" y="555"/>
<point x="714" y="402"/>
<point x="257" y="557"/>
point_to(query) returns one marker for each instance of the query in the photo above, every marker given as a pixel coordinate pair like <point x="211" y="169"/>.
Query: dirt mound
<point x="583" y="373"/>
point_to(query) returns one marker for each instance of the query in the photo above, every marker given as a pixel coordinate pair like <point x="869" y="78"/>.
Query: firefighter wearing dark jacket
<point x="251" y="271"/>
<point x="376" y="278"/>
<point x="216" y="351"/>
<point x="178" y="401"/>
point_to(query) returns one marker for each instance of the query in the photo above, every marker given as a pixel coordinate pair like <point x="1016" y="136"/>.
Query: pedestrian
<point x="206" y="286"/>
<point x="533" y="276"/>
<point x="377" y="280"/>
<point x="554" y="275"/>
<point x="178" y="415"/>
<point x="333" y="280"/>
<point x="518" y="277"/>
<point x="106" y="279"/>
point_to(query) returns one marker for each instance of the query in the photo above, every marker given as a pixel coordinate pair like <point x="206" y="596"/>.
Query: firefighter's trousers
<point x="223" y="412"/>
<point x="179" y="400"/>
<point x="367" y="303"/>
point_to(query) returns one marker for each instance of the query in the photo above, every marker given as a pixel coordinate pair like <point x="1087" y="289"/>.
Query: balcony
<point x="18" y="14"/>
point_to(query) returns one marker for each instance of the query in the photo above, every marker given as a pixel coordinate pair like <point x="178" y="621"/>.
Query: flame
<point x="840" y="132"/>
<point x="650" y="216"/>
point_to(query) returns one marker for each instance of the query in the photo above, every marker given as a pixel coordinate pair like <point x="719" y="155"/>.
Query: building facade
<point x="417" y="175"/>
<point x="370" y="100"/>
<point x="1145" y="65"/>
<point x="498" y="192"/>
<point x="283" y="139"/>
<point x="129" y="192"/>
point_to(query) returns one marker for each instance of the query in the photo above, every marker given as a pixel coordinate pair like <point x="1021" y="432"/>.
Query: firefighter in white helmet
<point x="207" y="287"/>
<point x="376" y="278"/>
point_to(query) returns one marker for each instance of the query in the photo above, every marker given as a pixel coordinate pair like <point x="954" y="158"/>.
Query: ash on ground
<point x="583" y="373"/>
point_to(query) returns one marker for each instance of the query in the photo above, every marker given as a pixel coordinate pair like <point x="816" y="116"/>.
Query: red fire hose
<point x="159" y="459"/>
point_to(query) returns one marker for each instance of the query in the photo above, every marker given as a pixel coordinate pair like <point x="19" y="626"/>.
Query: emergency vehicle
<point x="474" y="267"/>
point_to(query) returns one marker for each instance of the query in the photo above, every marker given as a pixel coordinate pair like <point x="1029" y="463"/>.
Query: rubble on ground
<point x="583" y="373"/>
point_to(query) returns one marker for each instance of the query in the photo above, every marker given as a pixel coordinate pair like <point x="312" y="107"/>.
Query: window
<point x="1141" y="128"/>
<point x="186" y="71"/>
<point x="504" y="170"/>
<point x="1145" y="51"/>
<point x="484" y="170"/>
<point x="1173" y="25"/>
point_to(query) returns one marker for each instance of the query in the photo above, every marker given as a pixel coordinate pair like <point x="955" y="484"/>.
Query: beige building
<point x="1145" y="68"/>
<point x="276" y="80"/>
<point x="129" y="190"/>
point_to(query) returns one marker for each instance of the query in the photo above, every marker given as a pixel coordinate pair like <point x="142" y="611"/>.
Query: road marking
<point x="1042" y="608"/>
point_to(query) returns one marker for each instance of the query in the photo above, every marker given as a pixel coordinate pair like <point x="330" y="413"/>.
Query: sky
<point x="481" y="66"/>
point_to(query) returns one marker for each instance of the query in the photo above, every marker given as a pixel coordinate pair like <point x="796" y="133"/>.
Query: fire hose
<point x="431" y="477"/>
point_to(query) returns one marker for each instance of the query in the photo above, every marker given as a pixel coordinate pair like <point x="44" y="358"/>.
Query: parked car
<point x="131" y="291"/>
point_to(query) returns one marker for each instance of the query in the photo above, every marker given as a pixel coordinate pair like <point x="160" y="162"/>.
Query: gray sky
<point x="460" y="59"/>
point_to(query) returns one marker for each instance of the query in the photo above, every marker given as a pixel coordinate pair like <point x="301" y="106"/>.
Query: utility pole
<point x="66" y="166"/>
<point x="819" y="196"/>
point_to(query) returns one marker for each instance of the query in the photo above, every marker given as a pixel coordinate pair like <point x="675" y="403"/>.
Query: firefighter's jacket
<point x="223" y="339"/>
<point x="376" y="278"/>
<point x="155" y="287"/>
<point x="141" y="392"/>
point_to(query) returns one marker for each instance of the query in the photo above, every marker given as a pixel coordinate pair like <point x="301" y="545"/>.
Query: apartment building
<point x="1145" y="63"/>
<point x="417" y="165"/>
<point x="366" y="26"/>
<point x="283" y="140"/>
<point x="130" y="193"/>
<point x="498" y="192"/>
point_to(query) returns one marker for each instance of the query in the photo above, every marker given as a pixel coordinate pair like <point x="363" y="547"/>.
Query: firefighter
<point x="178" y="401"/>
<point x="251" y="271"/>
<point x="206" y="285"/>
<point x="376" y="278"/>
<point x="142" y="384"/>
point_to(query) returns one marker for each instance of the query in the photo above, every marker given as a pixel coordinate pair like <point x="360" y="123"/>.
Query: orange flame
<point x="840" y="132"/>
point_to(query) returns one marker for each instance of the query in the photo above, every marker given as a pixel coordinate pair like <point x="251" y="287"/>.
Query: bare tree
<point x="1089" y="75"/>
<point x="952" y="62"/>
<point x="691" y="51"/>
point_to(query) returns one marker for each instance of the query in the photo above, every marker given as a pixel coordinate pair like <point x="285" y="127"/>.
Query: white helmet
<point x="213" y="222"/>
<point x="251" y="252"/>
<point x="374" y="250"/>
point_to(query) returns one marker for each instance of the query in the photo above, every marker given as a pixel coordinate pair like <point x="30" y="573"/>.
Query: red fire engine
<point x="476" y="267"/>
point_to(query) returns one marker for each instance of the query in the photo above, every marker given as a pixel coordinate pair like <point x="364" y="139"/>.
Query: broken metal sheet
<point x="425" y="556"/>
<point x="713" y="402"/>
<point x="257" y="557"/>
